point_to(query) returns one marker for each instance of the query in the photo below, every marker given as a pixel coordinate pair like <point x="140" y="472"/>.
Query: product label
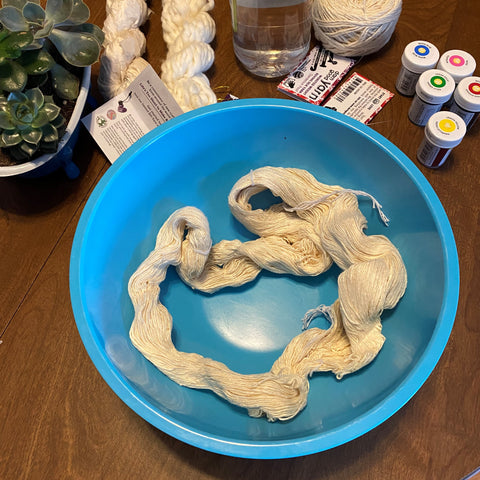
<point x="468" y="117"/>
<point x="406" y="82"/>
<point x="314" y="79"/>
<point x="432" y="156"/>
<point x="359" y="98"/>
<point x="420" y="111"/>
<point x="120" y="122"/>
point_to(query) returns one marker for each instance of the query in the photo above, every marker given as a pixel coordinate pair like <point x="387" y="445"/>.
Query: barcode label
<point x="348" y="89"/>
<point x="359" y="98"/>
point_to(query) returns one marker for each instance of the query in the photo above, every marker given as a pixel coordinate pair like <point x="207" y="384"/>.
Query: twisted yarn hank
<point x="188" y="29"/>
<point x="292" y="238"/>
<point x="124" y="45"/>
<point x="355" y="28"/>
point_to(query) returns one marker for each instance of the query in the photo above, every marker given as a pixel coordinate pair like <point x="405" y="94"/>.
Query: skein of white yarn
<point x="354" y="27"/>
<point x="124" y="45"/>
<point x="188" y="29"/>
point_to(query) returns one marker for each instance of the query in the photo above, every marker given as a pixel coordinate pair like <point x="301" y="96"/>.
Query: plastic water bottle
<point x="271" y="37"/>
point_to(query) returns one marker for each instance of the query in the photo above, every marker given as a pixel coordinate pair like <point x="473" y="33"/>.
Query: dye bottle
<point x="417" y="57"/>
<point x="444" y="131"/>
<point x="458" y="64"/>
<point x="433" y="89"/>
<point x="466" y="100"/>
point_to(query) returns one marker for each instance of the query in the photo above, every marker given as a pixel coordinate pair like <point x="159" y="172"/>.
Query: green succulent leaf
<point x="12" y="45"/>
<point x="13" y="76"/>
<point x="51" y="110"/>
<point x="50" y="133"/>
<point x="34" y="13"/>
<point x="93" y="29"/>
<point x="59" y="123"/>
<point x="45" y="31"/>
<point x="16" y="3"/>
<point x="40" y="120"/>
<point x="16" y="97"/>
<point x="32" y="135"/>
<point x="28" y="148"/>
<point x="36" y="62"/>
<point x="3" y="33"/>
<point x="11" y="138"/>
<point x="35" y="95"/>
<point x="80" y="49"/>
<point x="58" y="11"/>
<point x="13" y="19"/>
<point x="79" y="15"/>
<point x="6" y="122"/>
<point x="65" y="84"/>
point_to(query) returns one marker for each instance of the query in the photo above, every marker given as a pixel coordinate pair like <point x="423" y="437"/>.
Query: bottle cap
<point x="445" y="129"/>
<point x="457" y="63"/>
<point x="419" y="56"/>
<point x="435" y="86"/>
<point x="467" y="94"/>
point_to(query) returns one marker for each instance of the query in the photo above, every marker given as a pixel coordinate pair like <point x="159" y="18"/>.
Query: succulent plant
<point x="28" y="33"/>
<point x="29" y="123"/>
<point x="41" y="45"/>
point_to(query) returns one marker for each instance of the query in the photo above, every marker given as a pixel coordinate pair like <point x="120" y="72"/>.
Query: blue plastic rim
<point x="195" y="159"/>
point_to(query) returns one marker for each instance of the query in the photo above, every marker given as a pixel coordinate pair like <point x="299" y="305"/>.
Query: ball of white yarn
<point x="354" y="27"/>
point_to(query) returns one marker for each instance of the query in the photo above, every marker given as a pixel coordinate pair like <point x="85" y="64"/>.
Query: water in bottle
<point x="271" y="37"/>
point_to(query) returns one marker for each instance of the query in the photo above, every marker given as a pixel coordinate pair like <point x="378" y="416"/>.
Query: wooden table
<point x="59" y="419"/>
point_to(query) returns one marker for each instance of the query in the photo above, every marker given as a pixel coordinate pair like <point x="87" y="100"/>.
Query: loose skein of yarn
<point x="354" y="27"/>
<point x="314" y="226"/>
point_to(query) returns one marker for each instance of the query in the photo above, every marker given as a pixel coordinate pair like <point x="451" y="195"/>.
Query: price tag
<point x="359" y="98"/>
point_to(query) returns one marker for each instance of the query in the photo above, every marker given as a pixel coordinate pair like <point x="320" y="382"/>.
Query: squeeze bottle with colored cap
<point x="444" y="131"/>
<point x="466" y="98"/>
<point x="417" y="57"/>
<point x="433" y="89"/>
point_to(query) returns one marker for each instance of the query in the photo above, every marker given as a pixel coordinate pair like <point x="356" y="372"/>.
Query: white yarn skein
<point x="124" y="45"/>
<point x="356" y="27"/>
<point x="314" y="226"/>
<point x="188" y="29"/>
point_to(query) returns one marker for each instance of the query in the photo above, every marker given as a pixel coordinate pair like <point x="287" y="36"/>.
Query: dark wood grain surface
<point x="59" y="419"/>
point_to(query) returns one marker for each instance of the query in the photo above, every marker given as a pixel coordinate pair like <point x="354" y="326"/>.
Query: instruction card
<point x="120" y="122"/>
<point x="359" y="98"/>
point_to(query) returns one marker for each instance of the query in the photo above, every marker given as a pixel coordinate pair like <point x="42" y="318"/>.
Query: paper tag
<point x="359" y="98"/>
<point x="316" y="76"/>
<point x="120" y="122"/>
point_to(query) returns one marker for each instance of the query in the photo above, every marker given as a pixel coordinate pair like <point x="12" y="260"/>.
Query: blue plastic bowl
<point x="194" y="160"/>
